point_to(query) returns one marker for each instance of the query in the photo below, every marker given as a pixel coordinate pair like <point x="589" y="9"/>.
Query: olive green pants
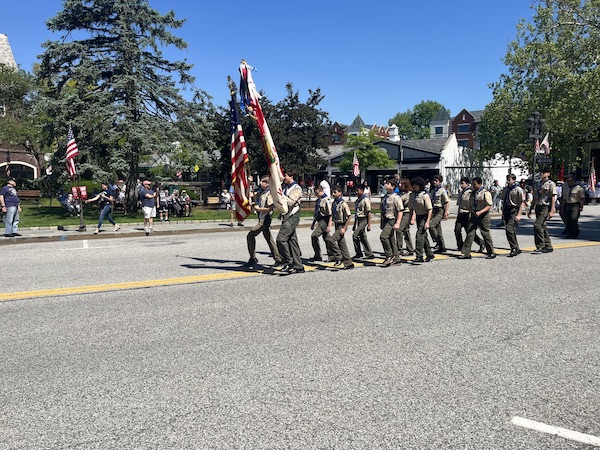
<point x="483" y="223"/>
<point x="388" y="239"/>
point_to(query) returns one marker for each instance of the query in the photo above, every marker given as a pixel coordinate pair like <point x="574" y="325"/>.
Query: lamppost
<point x="535" y="126"/>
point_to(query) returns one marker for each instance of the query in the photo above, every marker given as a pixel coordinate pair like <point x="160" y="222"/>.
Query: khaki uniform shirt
<point x="405" y="197"/>
<point x="515" y="196"/>
<point x="324" y="209"/>
<point x="342" y="211"/>
<point x="393" y="206"/>
<point x="574" y="194"/>
<point x="482" y="198"/>
<point x="420" y="203"/>
<point x="264" y="200"/>
<point x="439" y="197"/>
<point x="545" y="191"/>
<point x="362" y="207"/>
<point x="464" y="200"/>
<point x="292" y="195"/>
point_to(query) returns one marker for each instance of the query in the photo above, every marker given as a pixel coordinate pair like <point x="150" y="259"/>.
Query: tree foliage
<point x="553" y="67"/>
<point x="16" y="91"/>
<point x="415" y="123"/>
<point x="367" y="152"/>
<point x="108" y="78"/>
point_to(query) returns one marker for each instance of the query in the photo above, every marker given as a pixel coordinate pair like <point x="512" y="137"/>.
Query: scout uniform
<point x="543" y="193"/>
<point x="573" y="199"/>
<point x="362" y="211"/>
<point x="403" y="233"/>
<point x="391" y="207"/>
<point x="321" y="221"/>
<point x="462" y="218"/>
<point x="439" y="198"/>
<point x="340" y="215"/>
<point x="480" y="200"/>
<point x="264" y="200"/>
<point x="420" y="205"/>
<point x="512" y="202"/>
<point x="287" y="240"/>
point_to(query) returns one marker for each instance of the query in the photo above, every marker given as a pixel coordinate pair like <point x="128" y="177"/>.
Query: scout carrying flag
<point x="250" y="104"/>
<point x="239" y="159"/>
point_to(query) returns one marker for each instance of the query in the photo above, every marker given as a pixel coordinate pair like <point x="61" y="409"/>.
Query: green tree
<point x="367" y="152"/>
<point x="107" y="76"/>
<point x="415" y="123"/>
<point x="552" y="67"/>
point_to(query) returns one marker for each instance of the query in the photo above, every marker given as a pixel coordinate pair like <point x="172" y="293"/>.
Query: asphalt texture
<point x="439" y="355"/>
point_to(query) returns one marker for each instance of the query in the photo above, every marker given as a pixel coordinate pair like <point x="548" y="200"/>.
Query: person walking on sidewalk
<point x="544" y="199"/>
<point x="148" y="199"/>
<point x="264" y="208"/>
<point x="513" y="201"/>
<point x="11" y="208"/>
<point x="105" y="201"/>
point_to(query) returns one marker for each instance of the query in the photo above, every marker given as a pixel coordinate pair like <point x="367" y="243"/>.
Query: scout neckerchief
<point x="508" y="191"/>
<point x="319" y="204"/>
<point x="335" y="205"/>
<point x="460" y="199"/>
<point x="475" y="198"/>
<point x="384" y="203"/>
<point x="288" y="187"/>
<point x="360" y="199"/>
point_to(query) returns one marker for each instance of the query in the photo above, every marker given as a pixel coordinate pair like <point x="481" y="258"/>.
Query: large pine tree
<point x="107" y="76"/>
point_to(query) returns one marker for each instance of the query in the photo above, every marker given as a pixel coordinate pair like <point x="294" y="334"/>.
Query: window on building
<point x="463" y="142"/>
<point x="335" y="138"/>
<point x="463" y="128"/>
<point x="439" y="130"/>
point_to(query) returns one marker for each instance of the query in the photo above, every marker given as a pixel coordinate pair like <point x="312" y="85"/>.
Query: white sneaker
<point x="117" y="227"/>
<point x="147" y="231"/>
<point x="151" y="229"/>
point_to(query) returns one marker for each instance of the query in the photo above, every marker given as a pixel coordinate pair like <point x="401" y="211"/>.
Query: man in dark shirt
<point x="9" y="199"/>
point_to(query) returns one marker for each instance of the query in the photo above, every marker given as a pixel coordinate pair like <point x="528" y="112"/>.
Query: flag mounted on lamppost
<point x="72" y="152"/>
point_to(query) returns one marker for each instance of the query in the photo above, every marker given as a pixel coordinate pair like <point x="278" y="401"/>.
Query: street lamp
<point x="535" y="126"/>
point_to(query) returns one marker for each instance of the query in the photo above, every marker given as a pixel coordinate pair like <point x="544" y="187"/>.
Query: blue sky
<point x="369" y="58"/>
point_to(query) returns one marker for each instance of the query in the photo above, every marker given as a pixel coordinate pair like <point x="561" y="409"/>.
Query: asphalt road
<point x="177" y="346"/>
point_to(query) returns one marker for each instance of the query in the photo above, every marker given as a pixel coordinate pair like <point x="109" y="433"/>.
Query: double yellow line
<point x="188" y="280"/>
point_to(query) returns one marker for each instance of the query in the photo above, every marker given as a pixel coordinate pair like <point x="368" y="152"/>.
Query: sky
<point x="369" y="58"/>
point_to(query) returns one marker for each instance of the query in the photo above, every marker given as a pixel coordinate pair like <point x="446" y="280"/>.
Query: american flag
<point x="537" y="147"/>
<point x="239" y="159"/>
<point x="355" y="166"/>
<point x="545" y="145"/>
<point x="7" y="163"/>
<point x="593" y="180"/>
<point x="249" y="99"/>
<point x="72" y="152"/>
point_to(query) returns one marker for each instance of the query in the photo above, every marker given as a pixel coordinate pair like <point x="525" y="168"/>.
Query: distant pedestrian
<point x="148" y="199"/>
<point x="105" y="202"/>
<point x="11" y="208"/>
<point x="496" y="197"/>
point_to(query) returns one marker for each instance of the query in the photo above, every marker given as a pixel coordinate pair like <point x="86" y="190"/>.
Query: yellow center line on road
<point x="122" y="286"/>
<point x="205" y="278"/>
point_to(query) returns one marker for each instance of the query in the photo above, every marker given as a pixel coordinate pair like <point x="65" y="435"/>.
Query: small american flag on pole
<point x="545" y="145"/>
<point x="537" y="147"/>
<point x="72" y="152"/>
<point x="593" y="180"/>
<point x="355" y="166"/>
